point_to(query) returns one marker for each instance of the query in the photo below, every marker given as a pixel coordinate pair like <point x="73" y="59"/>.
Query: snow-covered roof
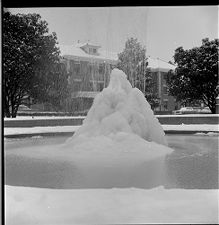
<point x="88" y="43"/>
<point x="159" y="65"/>
<point x="75" y="52"/>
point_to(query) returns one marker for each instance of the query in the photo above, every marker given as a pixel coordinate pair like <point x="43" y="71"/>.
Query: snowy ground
<point x="57" y="129"/>
<point x="27" y="206"/>
<point x="32" y="130"/>
<point x="43" y="117"/>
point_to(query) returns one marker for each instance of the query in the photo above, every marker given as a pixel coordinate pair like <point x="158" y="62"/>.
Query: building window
<point x="164" y="76"/>
<point x="71" y="65"/>
<point x="90" y="68"/>
<point x="76" y="86"/>
<point x="92" y="51"/>
<point x="101" y="69"/>
<point x="165" y="90"/>
<point x="165" y="105"/>
<point x="77" y="68"/>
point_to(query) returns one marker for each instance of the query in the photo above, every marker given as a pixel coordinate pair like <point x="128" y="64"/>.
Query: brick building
<point x="160" y="68"/>
<point x="89" y="69"/>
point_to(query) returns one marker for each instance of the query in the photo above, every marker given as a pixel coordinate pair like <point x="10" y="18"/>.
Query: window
<point x="92" y="50"/>
<point x="101" y="68"/>
<point x="165" y="105"/>
<point x="77" y="68"/>
<point x="76" y="86"/>
<point x="90" y="68"/>
<point x="165" y="90"/>
<point x="164" y="75"/>
<point x="71" y="64"/>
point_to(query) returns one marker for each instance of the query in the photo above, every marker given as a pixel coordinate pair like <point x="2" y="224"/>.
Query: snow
<point x="119" y="149"/>
<point x="207" y="134"/>
<point x="190" y="115"/>
<point x="159" y="65"/>
<point x="119" y="108"/>
<point x="43" y="117"/>
<point x="75" y="52"/>
<point x="62" y="129"/>
<point x="25" y="205"/>
<point x="192" y="127"/>
<point x="120" y="138"/>
<point x="33" y="130"/>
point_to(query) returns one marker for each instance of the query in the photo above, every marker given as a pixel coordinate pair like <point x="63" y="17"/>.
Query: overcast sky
<point x="160" y="29"/>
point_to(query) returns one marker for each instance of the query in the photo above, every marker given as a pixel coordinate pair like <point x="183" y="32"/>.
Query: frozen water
<point x="119" y="108"/>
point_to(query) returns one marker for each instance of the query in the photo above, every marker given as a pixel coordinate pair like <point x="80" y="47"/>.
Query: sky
<point x="160" y="29"/>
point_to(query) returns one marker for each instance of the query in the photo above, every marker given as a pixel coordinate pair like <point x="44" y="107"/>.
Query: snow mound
<point x="119" y="108"/>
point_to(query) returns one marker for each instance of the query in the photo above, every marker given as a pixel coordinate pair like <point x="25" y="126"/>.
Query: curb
<point x="53" y="134"/>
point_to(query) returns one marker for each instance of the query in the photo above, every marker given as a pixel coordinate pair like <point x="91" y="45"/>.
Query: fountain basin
<point x="55" y="167"/>
<point x="193" y="164"/>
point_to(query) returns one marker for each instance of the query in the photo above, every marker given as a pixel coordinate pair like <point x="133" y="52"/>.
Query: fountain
<point x="113" y="166"/>
<point x="120" y="144"/>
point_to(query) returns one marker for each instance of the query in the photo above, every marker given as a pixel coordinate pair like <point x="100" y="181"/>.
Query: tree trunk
<point x="14" y="111"/>
<point x="7" y="113"/>
<point x="6" y="110"/>
<point x="213" y="109"/>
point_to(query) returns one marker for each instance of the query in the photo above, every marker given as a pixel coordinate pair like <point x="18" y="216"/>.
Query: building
<point x="89" y="69"/>
<point x="160" y="68"/>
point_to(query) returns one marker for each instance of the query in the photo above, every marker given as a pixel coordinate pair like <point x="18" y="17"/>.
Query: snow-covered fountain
<point x="114" y="166"/>
<point x="120" y="144"/>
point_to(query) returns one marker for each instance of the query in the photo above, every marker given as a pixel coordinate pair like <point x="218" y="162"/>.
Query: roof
<point x="159" y="65"/>
<point x="76" y="53"/>
<point x="89" y="44"/>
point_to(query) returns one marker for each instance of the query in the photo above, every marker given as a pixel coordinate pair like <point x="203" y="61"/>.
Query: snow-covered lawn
<point x="27" y="206"/>
<point x="192" y="127"/>
<point x="33" y="130"/>
<point x="56" y="129"/>
<point x="190" y="115"/>
<point x="43" y="117"/>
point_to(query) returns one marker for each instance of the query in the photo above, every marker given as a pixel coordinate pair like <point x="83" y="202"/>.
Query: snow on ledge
<point x="44" y="118"/>
<point x="55" y="129"/>
<point x="192" y="127"/>
<point x="189" y="115"/>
